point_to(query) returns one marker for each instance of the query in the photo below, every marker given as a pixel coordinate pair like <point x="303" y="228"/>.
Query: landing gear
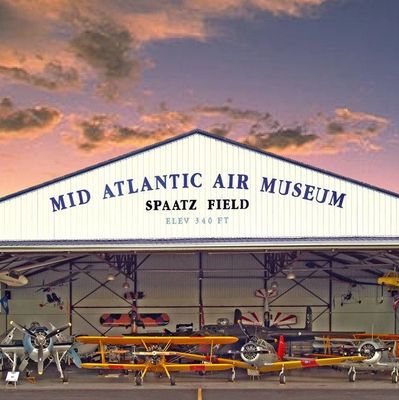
<point x="232" y="376"/>
<point x="172" y="381"/>
<point x="138" y="380"/>
<point x="65" y="378"/>
<point x="394" y="375"/>
<point x="352" y="374"/>
<point x="281" y="377"/>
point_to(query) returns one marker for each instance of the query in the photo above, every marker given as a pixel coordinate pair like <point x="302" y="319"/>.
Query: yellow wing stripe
<point x="140" y="340"/>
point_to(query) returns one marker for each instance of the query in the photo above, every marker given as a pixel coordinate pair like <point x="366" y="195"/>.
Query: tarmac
<point x="322" y="383"/>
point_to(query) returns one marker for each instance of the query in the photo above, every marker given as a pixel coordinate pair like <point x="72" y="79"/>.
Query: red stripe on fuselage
<point x="197" y="368"/>
<point x="309" y="363"/>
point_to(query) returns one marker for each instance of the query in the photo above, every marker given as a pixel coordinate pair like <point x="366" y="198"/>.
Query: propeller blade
<point x="57" y="331"/>
<point x="22" y="328"/>
<point x="40" y="361"/>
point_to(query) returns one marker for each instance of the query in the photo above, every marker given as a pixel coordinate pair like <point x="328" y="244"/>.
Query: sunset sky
<point x="313" y="80"/>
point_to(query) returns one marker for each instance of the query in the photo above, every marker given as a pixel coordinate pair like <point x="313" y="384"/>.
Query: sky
<point x="84" y="81"/>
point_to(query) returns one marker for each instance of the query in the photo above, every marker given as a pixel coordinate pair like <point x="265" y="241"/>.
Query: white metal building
<point x="199" y="222"/>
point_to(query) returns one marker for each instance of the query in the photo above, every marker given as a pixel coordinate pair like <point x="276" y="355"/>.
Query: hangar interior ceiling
<point x="200" y="287"/>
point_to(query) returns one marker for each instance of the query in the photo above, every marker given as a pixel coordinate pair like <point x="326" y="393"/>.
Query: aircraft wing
<point x="309" y="363"/>
<point x="276" y="366"/>
<point x="363" y="336"/>
<point x="130" y="367"/>
<point x="144" y="340"/>
<point x="171" y="367"/>
<point x="10" y="348"/>
<point x="62" y="346"/>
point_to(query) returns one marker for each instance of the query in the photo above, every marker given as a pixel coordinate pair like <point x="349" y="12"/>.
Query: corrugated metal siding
<point x="365" y="212"/>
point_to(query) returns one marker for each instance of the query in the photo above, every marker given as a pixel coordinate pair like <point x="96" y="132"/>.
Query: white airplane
<point x="15" y="278"/>
<point x="38" y="344"/>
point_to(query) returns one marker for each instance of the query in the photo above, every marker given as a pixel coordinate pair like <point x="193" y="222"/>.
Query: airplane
<point x="381" y="351"/>
<point x="266" y="332"/>
<point x="47" y="287"/>
<point x="39" y="344"/>
<point x="54" y="299"/>
<point x="14" y="277"/>
<point x="133" y="319"/>
<point x="390" y="279"/>
<point x="151" y="354"/>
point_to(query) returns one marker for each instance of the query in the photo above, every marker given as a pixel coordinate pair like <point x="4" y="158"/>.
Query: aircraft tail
<point x="237" y="316"/>
<point x="281" y="348"/>
<point x="309" y="319"/>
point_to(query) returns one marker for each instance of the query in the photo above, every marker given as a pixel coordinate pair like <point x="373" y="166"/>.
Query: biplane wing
<point x="171" y="367"/>
<point x="149" y="340"/>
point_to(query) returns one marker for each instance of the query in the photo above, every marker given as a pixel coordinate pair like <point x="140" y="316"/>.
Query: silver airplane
<point x="39" y="344"/>
<point x="380" y="355"/>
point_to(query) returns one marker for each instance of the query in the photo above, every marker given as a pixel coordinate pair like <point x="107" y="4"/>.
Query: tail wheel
<point x="172" y="381"/>
<point x="394" y="376"/>
<point x="232" y="376"/>
<point x="281" y="378"/>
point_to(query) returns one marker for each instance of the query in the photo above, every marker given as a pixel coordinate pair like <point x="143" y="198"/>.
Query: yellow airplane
<point x="154" y="354"/>
<point x="390" y="278"/>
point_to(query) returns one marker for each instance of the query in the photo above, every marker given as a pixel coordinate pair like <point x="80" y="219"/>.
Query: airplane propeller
<point x="58" y="330"/>
<point x="22" y="329"/>
<point x="41" y="340"/>
<point x="40" y="361"/>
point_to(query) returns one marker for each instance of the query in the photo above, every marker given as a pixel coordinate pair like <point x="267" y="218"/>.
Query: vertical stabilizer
<point x="281" y="347"/>
<point x="237" y="316"/>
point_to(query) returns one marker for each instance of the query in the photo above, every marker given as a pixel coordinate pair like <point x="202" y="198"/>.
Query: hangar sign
<point x="181" y="181"/>
<point x="194" y="188"/>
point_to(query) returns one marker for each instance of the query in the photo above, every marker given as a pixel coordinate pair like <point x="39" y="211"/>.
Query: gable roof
<point x="182" y="136"/>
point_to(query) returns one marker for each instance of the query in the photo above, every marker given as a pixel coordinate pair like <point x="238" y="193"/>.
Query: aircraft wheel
<point x="282" y="379"/>
<point x="201" y="373"/>
<point x="232" y="376"/>
<point x="352" y="376"/>
<point x="65" y="378"/>
<point x="395" y="378"/>
<point x="138" y="380"/>
<point x="172" y="381"/>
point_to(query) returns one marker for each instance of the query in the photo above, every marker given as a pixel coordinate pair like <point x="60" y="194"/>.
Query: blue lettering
<point x="58" y="205"/>
<point x="297" y="190"/>
<point x="146" y="185"/>
<point x="266" y="185"/>
<point x="308" y="195"/>
<point x="337" y="200"/>
<point x="107" y="192"/>
<point x="83" y="200"/>
<point x="218" y="182"/>
<point x="193" y="183"/>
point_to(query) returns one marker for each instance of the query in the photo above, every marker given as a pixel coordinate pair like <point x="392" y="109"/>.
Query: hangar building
<point x="193" y="227"/>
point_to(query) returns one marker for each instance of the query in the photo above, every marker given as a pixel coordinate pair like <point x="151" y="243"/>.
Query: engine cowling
<point x="258" y="353"/>
<point x="370" y="350"/>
